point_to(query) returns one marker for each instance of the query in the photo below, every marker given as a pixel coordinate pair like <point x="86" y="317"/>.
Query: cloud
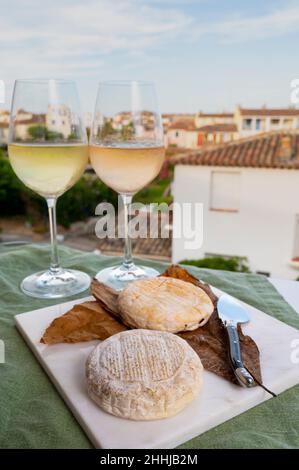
<point x="240" y="29"/>
<point x="86" y="39"/>
<point x="64" y="35"/>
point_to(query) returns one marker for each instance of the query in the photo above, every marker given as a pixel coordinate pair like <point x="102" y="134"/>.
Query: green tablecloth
<point x="32" y="414"/>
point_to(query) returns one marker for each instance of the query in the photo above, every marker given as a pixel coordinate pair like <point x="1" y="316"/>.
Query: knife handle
<point x="244" y="378"/>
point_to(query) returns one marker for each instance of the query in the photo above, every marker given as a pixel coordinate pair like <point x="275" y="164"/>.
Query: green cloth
<point x="32" y="414"/>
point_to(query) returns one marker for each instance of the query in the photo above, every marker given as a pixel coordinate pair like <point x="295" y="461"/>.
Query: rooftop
<point x="269" y="150"/>
<point x="215" y="115"/>
<point x="183" y="124"/>
<point x="269" y="111"/>
<point x="190" y="126"/>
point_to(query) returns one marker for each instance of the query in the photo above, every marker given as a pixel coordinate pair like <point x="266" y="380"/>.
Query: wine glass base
<point x="54" y="285"/>
<point x="119" y="277"/>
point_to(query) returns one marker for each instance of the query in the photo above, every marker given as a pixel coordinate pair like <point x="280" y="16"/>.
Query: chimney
<point x="285" y="149"/>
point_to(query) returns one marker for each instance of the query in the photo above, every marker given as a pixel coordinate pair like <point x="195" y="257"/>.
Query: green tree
<point x="107" y="130"/>
<point x="10" y="189"/>
<point x="127" y="131"/>
<point x="80" y="201"/>
<point x="39" y="132"/>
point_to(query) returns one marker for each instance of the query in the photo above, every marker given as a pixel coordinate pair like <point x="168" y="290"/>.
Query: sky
<point x="204" y="55"/>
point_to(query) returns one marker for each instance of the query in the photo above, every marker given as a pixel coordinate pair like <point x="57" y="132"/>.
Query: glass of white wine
<point x="127" y="152"/>
<point x="48" y="151"/>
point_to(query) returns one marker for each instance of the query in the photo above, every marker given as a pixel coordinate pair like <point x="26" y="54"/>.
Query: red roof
<point x="269" y="112"/>
<point x="215" y="115"/>
<point x="185" y="124"/>
<point x="269" y="150"/>
<point x="35" y="119"/>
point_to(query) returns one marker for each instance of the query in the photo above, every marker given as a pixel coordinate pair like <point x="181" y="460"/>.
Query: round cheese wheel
<point x="143" y="374"/>
<point x="164" y="304"/>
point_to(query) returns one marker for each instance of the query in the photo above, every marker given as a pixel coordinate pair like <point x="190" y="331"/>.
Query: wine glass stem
<point x="54" y="266"/>
<point x="128" y="260"/>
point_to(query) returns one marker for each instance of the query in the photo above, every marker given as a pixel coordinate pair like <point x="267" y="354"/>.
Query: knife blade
<point x="231" y="312"/>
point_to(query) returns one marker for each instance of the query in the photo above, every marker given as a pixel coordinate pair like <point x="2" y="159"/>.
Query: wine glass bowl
<point x="48" y="151"/>
<point x="127" y="153"/>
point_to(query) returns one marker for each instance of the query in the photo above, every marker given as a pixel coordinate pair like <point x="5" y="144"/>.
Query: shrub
<point x="155" y="192"/>
<point x="235" y="263"/>
<point x="39" y="132"/>
<point x="10" y="189"/>
<point x="78" y="203"/>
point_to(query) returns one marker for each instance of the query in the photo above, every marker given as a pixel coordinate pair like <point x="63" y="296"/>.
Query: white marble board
<point x="218" y="402"/>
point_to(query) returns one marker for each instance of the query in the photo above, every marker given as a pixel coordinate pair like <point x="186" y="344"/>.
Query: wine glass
<point x="127" y="152"/>
<point x="48" y="151"/>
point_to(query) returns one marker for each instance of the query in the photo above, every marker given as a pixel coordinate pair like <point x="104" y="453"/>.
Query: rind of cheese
<point x="143" y="375"/>
<point x="164" y="304"/>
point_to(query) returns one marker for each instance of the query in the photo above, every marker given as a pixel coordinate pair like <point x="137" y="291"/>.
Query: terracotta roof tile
<point x="159" y="248"/>
<point x="35" y="119"/>
<point x="269" y="112"/>
<point x="183" y="124"/>
<point x="270" y="150"/>
<point x="215" y="115"/>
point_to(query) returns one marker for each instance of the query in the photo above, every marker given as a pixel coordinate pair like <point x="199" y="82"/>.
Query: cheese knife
<point x="231" y="312"/>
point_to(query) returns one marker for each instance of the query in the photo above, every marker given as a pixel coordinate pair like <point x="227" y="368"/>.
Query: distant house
<point x="59" y="119"/>
<point x="216" y="134"/>
<point x="194" y="131"/>
<point x="183" y="134"/>
<point x="24" y="120"/>
<point x="4" y="125"/>
<point x="206" y="119"/>
<point x="250" y="194"/>
<point x="170" y="118"/>
<point x="254" y="121"/>
<point x="3" y="132"/>
<point x="186" y="134"/>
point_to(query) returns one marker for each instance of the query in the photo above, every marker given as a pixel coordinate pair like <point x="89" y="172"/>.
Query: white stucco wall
<point x="181" y="138"/>
<point x="263" y="229"/>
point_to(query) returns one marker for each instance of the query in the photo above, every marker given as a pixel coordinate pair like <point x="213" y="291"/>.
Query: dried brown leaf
<point x="84" y="322"/>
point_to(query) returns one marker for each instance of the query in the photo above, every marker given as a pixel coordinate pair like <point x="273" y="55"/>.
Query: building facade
<point x="217" y="128"/>
<point x="249" y="191"/>
<point x="254" y="121"/>
<point x="4" y="125"/>
<point x="207" y="119"/>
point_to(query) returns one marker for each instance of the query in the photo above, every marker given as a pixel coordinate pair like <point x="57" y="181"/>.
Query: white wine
<point x="48" y="170"/>
<point x="126" y="169"/>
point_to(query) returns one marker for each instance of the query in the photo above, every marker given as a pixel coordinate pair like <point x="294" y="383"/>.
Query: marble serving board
<point x="219" y="400"/>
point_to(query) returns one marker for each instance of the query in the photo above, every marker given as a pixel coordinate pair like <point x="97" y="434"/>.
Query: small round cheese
<point x="143" y="374"/>
<point x="164" y="304"/>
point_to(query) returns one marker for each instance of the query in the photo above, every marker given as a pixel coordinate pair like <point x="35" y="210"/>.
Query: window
<point x="225" y="191"/>
<point x="288" y="123"/>
<point x="247" y="124"/>
<point x="177" y="134"/>
<point x="258" y="124"/>
<point x="53" y="121"/>
<point x="275" y="122"/>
